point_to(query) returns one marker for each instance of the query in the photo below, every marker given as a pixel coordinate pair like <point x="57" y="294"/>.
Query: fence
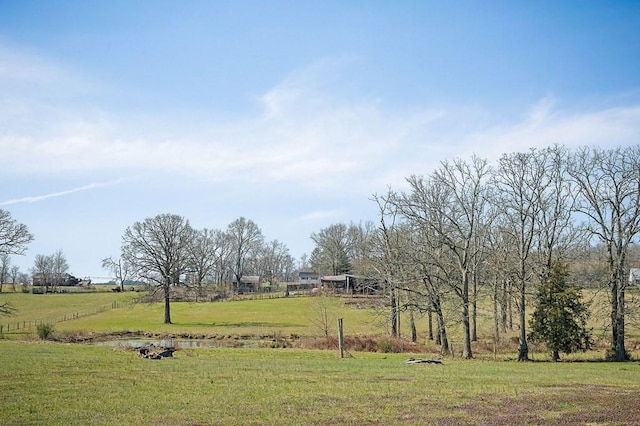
<point x="15" y="327"/>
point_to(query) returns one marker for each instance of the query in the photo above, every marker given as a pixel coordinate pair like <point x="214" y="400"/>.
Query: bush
<point x="44" y="330"/>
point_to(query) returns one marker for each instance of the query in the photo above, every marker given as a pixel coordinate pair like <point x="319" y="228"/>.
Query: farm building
<point x="308" y="277"/>
<point x="347" y="283"/>
<point x="247" y="284"/>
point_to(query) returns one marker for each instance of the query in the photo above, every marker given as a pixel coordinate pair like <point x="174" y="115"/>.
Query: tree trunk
<point x="394" y="314"/>
<point x="614" y="313"/>
<point x="412" y="323"/>
<point x="555" y="355"/>
<point x="504" y="306"/>
<point x="496" y="319"/>
<point x="442" y="339"/>
<point x="430" y="323"/>
<point x="620" y="351"/>
<point x="167" y="306"/>
<point x="523" y="348"/>
<point x="474" y="310"/>
<point x="466" y="350"/>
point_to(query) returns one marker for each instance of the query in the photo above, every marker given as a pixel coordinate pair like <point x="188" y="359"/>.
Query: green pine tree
<point x="560" y="317"/>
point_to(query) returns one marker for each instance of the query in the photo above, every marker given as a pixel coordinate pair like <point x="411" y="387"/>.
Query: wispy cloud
<point x="304" y="133"/>
<point x="321" y="215"/>
<point x="39" y="198"/>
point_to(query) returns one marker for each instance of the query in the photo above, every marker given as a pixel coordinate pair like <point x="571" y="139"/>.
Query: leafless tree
<point x="245" y="238"/>
<point x="273" y="257"/>
<point x="60" y="267"/>
<point x="520" y="181"/>
<point x="43" y="270"/>
<point x="14" y="275"/>
<point x="5" y="265"/>
<point x="608" y="182"/>
<point x="157" y="249"/>
<point x="385" y="256"/>
<point x="121" y="270"/>
<point x="452" y="205"/>
<point x="14" y="236"/>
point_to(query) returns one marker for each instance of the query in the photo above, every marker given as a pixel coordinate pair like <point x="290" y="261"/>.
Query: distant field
<point x="109" y="312"/>
<point x="61" y="384"/>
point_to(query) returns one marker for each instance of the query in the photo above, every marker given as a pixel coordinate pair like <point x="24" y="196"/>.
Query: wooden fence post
<point x="340" y="338"/>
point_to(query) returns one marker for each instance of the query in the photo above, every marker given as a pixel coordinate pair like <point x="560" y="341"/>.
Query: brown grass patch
<point x="362" y="344"/>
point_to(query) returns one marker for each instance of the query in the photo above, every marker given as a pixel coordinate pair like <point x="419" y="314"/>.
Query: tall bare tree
<point x="609" y="185"/>
<point x="245" y="238"/>
<point x="157" y="249"/>
<point x="120" y="270"/>
<point x="60" y="267"/>
<point x="452" y="205"/>
<point x="520" y="179"/>
<point x="43" y="270"/>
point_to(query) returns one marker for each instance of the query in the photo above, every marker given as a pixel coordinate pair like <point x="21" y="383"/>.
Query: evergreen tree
<point x="560" y="317"/>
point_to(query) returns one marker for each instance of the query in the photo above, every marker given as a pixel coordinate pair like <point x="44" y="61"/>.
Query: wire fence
<point x="22" y="326"/>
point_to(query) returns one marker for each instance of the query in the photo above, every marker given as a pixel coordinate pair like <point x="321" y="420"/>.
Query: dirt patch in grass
<point x="565" y="405"/>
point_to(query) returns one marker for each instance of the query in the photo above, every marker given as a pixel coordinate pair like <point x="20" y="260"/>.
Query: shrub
<point x="44" y="330"/>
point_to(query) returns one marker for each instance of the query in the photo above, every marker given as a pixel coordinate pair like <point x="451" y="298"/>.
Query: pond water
<point x="177" y="343"/>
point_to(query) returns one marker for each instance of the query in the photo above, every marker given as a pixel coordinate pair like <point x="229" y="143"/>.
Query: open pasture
<point x="53" y="383"/>
<point x="56" y="383"/>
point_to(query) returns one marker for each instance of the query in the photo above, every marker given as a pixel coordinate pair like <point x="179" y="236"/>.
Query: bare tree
<point x="245" y="238"/>
<point x="157" y="249"/>
<point x="452" y="205"/>
<point x="520" y="181"/>
<point x="60" y="267"/>
<point x="609" y="186"/>
<point x="385" y="256"/>
<point x="121" y="270"/>
<point x="275" y="258"/>
<point x="14" y="236"/>
<point x="14" y="274"/>
<point x="5" y="265"/>
<point x="43" y="271"/>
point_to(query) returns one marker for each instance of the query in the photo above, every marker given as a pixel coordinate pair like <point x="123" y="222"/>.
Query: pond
<point x="179" y="343"/>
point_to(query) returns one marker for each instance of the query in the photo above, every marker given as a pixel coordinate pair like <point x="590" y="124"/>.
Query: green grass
<point x="56" y="383"/>
<point x="285" y="316"/>
<point x="52" y="383"/>
<point x="55" y="308"/>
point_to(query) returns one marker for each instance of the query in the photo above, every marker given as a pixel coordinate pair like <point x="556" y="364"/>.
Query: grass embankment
<point x="48" y="383"/>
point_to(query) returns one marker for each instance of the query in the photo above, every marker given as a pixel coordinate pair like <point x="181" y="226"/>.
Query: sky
<point x="289" y="113"/>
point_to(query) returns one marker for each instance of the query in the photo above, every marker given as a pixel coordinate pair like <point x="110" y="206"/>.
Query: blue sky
<point x="289" y="113"/>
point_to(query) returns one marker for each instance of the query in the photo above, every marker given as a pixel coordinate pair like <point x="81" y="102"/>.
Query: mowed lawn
<point x="54" y="384"/>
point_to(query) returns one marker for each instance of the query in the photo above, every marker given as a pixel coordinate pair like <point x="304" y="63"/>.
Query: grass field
<point x="57" y="383"/>
<point x="49" y="383"/>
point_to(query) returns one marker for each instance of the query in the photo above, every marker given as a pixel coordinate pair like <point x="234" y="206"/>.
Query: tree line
<point x="166" y="251"/>
<point x="471" y="225"/>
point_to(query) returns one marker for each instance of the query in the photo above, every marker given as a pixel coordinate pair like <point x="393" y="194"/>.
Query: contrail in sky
<point x="39" y="198"/>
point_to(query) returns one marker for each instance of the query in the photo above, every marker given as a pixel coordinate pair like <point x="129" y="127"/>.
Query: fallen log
<point x="423" y="361"/>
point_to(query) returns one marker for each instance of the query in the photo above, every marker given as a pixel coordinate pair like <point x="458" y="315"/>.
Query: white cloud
<point x="321" y="215"/>
<point x="305" y="133"/>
